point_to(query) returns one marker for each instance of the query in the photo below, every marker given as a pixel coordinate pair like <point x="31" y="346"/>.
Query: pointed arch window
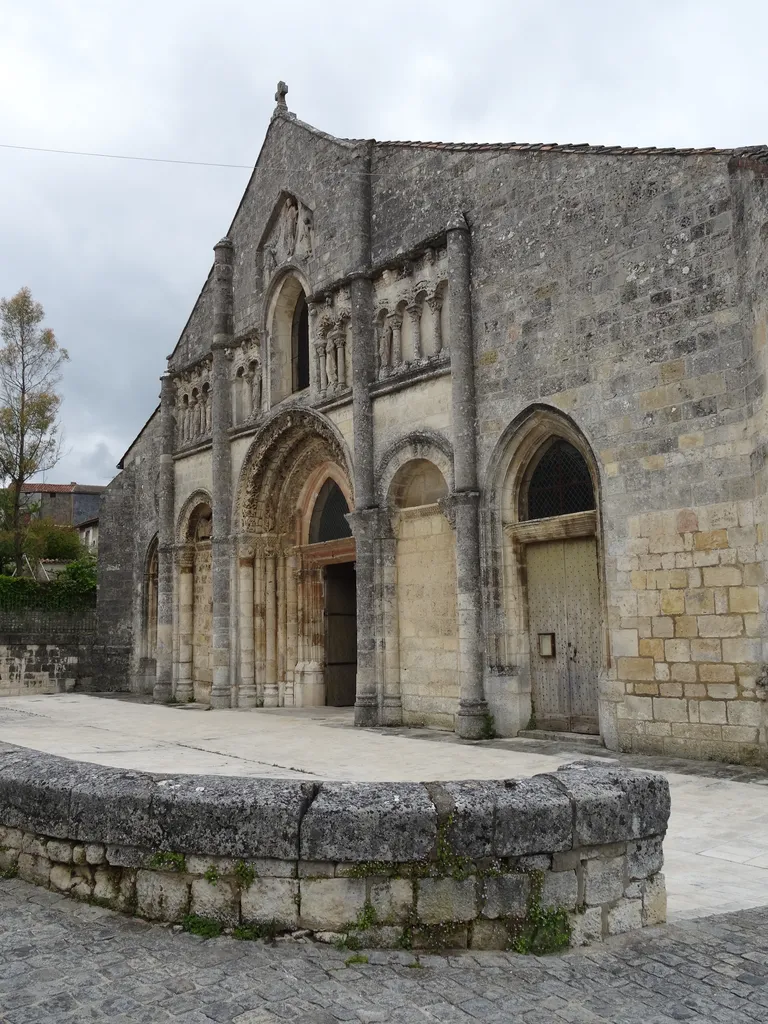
<point x="329" y="515"/>
<point x="559" y="485"/>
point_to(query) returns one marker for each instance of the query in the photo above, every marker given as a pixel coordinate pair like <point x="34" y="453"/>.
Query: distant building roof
<point x="88" y="522"/>
<point x="73" y="488"/>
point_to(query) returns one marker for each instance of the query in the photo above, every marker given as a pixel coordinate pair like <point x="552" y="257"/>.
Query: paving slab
<point x="716" y="850"/>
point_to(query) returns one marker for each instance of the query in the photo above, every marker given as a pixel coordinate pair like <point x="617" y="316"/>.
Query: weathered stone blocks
<point x="331" y="903"/>
<point x="369" y="821"/>
<point x="479" y="857"/>
<point x="162" y="896"/>
<point x="218" y="900"/>
<point x="446" y="899"/>
<point x="271" y="899"/>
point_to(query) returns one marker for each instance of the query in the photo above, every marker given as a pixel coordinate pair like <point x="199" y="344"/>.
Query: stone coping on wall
<point x="573" y="855"/>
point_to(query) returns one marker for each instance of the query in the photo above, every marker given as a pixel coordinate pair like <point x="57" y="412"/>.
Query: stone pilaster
<point x="392" y="704"/>
<point x="163" y="688"/>
<point x="364" y="525"/>
<point x="185" y="560"/>
<point x="473" y="709"/>
<point x="270" y="684"/>
<point x="247" y="691"/>
<point x="365" y="518"/>
<point x="221" y="689"/>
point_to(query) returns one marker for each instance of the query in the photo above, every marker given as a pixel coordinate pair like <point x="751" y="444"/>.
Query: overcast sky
<point x="117" y="250"/>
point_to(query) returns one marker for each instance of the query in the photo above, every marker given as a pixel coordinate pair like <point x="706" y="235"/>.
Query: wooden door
<point x="340" y="635"/>
<point x="564" y="623"/>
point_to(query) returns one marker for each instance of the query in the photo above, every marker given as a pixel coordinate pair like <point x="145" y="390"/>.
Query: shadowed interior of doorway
<point x="340" y="634"/>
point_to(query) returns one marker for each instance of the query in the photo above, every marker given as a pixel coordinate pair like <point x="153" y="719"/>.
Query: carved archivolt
<point x="409" y="314"/>
<point x="281" y="457"/>
<point x="419" y="445"/>
<point x="194" y="520"/>
<point x="193" y="403"/>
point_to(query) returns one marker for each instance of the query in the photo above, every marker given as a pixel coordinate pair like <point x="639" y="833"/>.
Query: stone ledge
<point x="458" y="862"/>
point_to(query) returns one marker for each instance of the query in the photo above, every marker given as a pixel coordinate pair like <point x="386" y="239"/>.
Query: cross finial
<point x="280" y="95"/>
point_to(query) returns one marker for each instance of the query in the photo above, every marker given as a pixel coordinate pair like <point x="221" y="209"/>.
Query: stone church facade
<point x="470" y="436"/>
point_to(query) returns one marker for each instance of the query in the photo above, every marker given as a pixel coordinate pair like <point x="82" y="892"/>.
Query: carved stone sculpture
<point x="287" y="238"/>
<point x="304" y="234"/>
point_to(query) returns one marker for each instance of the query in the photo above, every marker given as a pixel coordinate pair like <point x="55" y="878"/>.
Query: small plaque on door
<point x="547" y="645"/>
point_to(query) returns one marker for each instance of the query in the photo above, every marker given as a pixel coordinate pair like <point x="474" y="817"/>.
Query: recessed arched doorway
<point x="557" y="523"/>
<point x="297" y="619"/>
<point x="327" y="526"/>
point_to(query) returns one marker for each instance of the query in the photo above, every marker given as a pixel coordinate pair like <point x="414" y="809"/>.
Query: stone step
<point x="581" y="738"/>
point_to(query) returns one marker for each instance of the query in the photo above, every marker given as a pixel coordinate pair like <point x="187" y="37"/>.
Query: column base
<point x="472" y="721"/>
<point x="220" y="700"/>
<point x="271" y="695"/>
<point x="161" y="693"/>
<point x="392" y="711"/>
<point x="366" y="713"/>
<point x="184" y="692"/>
<point x="247" y="697"/>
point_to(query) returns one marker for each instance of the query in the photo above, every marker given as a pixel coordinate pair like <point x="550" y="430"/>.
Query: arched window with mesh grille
<point x="560" y="484"/>
<point x="328" y="516"/>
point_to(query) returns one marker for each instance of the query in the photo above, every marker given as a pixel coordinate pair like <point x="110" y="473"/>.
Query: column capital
<point x="458" y="222"/>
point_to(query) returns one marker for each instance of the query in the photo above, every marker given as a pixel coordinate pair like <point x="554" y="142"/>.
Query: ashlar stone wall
<point x="428" y="628"/>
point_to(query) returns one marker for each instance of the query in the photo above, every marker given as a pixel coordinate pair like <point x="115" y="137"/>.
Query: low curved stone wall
<point x="573" y="855"/>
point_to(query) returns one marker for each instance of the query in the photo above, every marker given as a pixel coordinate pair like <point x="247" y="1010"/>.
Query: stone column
<point x="292" y="629"/>
<point x="435" y="304"/>
<point x="473" y="709"/>
<point x="163" y="688"/>
<point x="414" y="313"/>
<point x="396" y="323"/>
<point x="392" y="705"/>
<point x="247" y="693"/>
<point x="322" y="375"/>
<point x="365" y="517"/>
<point x="281" y="629"/>
<point x="270" y="682"/>
<point x="260" y="633"/>
<point x="314" y="682"/>
<point x="221" y="689"/>
<point x="186" y="563"/>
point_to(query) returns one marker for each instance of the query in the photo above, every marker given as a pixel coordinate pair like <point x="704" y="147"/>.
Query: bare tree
<point x="30" y="370"/>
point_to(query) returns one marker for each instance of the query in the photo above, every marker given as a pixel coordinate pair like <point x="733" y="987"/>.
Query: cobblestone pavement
<point x="66" y="963"/>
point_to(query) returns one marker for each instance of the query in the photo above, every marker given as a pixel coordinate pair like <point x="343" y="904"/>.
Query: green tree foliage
<point x="30" y="370"/>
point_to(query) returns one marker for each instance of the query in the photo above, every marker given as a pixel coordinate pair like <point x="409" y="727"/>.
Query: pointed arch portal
<point x="547" y="493"/>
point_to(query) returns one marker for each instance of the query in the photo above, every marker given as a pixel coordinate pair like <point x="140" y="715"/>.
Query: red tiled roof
<point x="43" y="488"/>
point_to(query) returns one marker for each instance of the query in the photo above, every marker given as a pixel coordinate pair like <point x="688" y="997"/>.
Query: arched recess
<point x="427" y="445"/>
<point x="287" y="332"/>
<point x="149" y="607"/>
<point x="546" y="595"/>
<point x="288" y="578"/>
<point x="195" y="599"/>
<point x="420" y="663"/>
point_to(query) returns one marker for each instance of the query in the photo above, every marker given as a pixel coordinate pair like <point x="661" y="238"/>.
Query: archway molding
<point x="186" y="517"/>
<point x="289" y="449"/>
<point x="427" y="445"/>
<point x="518" y="451"/>
<point x="285" y="292"/>
<point x="310" y="492"/>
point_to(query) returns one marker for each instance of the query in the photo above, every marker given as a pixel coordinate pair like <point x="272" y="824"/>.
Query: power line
<point x="120" y="156"/>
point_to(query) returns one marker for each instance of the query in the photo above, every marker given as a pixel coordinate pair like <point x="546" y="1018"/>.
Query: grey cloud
<point x="118" y="251"/>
